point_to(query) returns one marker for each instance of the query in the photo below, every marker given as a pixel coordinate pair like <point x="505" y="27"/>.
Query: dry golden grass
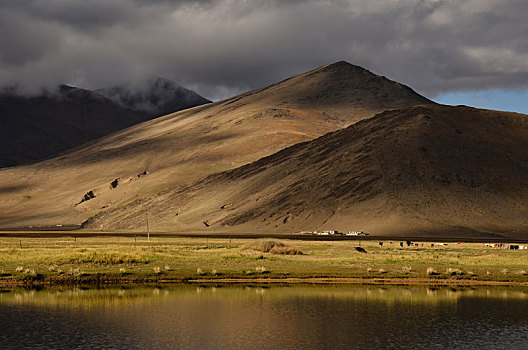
<point x="110" y="261"/>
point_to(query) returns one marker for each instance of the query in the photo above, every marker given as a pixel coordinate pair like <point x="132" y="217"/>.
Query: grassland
<point x="123" y="260"/>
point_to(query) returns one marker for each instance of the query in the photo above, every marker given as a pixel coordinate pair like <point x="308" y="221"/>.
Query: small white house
<point x="356" y="233"/>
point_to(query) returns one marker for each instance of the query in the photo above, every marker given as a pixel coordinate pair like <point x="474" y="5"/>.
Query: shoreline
<point x="389" y="281"/>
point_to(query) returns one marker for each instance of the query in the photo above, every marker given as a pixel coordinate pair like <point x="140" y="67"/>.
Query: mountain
<point x="34" y="128"/>
<point x="425" y="170"/>
<point x="180" y="148"/>
<point x="157" y="97"/>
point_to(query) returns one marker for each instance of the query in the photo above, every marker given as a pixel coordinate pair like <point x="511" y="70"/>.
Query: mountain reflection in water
<point x="291" y="317"/>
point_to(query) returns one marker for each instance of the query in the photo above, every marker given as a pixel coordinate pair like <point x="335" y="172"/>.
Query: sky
<point x="472" y="52"/>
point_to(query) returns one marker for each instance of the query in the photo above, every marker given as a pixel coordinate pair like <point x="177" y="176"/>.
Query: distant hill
<point x="176" y="150"/>
<point x="427" y="170"/>
<point x="158" y="96"/>
<point x="35" y="128"/>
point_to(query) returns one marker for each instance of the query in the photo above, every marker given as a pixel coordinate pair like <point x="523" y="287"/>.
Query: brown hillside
<point x="181" y="148"/>
<point x="454" y="171"/>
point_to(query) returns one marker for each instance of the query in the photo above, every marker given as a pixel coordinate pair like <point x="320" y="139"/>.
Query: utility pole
<point x="148" y="229"/>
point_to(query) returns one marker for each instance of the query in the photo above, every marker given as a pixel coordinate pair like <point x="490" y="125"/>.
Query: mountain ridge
<point x="414" y="171"/>
<point x="39" y="127"/>
<point x="158" y="96"/>
<point x="177" y="149"/>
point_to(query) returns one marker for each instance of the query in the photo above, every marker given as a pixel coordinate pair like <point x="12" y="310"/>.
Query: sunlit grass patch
<point x="106" y="258"/>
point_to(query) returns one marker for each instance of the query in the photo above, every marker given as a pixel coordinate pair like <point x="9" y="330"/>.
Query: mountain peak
<point x="179" y="149"/>
<point x="344" y="85"/>
<point x="343" y="64"/>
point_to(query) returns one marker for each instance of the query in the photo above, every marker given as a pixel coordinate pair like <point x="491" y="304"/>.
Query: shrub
<point x="274" y="247"/>
<point x="432" y="272"/>
<point x="75" y="272"/>
<point x="31" y="275"/>
<point x="407" y="269"/>
<point x="30" y="272"/>
<point x="454" y="272"/>
<point x="261" y="269"/>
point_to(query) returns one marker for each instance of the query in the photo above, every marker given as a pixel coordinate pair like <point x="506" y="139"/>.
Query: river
<point x="253" y="317"/>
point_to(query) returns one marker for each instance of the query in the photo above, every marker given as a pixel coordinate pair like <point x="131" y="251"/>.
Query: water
<point x="293" y="317"/>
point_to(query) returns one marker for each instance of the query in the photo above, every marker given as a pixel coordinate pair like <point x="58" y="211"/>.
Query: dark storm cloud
<point x="219" y="48"/>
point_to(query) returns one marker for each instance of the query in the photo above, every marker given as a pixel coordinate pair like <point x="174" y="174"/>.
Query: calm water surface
<point x="296" y="317"/>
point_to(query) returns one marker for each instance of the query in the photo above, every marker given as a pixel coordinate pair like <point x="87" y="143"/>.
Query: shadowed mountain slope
<point x="180" y="148"/>
<point x="157" y="97"/>
<point x="34" y="128"/>
<point x="426" y="170"/>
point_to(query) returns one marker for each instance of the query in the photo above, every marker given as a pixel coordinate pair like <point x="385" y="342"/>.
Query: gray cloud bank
<point x="219" y="48"/>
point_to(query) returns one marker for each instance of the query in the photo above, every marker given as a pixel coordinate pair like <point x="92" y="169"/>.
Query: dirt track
<point x="295" y="236"/>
